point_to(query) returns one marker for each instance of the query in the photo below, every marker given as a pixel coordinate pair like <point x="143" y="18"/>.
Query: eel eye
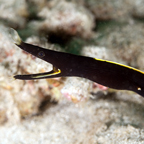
<point x="41" y="54"/>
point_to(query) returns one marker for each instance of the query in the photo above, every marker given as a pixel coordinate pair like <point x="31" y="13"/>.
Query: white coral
<point x="69" y="17"/>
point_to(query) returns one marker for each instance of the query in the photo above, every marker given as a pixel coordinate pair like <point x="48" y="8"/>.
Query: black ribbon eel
<point x="107" y="73"/>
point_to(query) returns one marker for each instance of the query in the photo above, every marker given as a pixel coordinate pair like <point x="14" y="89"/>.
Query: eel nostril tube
<point x="14" y="35"/>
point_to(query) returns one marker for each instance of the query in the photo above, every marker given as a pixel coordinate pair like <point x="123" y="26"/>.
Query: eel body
<point x="107" y="73"/>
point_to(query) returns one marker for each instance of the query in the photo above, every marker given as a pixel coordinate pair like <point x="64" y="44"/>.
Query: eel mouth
<point x="51" y="74"/>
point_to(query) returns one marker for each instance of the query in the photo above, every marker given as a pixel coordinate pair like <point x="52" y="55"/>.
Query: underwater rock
<point x="140" y="61"/>
<point x="102" y="10"/>
<point x="77" y="89"/>
<point x="96" y="52"/>
<point x="124" y="42"/>
<point x="37" y="4"/>
<point x="66" y="19"/>
<point x="13" y="13"/>
<point x="138" y="9"/>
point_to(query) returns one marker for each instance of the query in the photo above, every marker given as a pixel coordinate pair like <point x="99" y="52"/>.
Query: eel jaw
<point x="51" y="74"/>
<point x="54" y="72"/>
